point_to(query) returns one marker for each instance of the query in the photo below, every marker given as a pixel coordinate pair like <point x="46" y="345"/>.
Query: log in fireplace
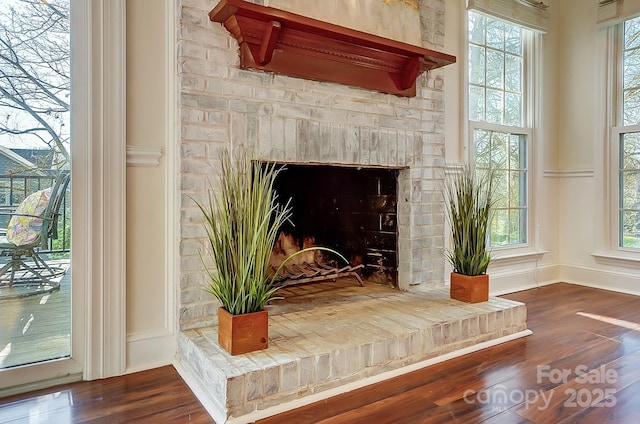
<point x="350" y="209"/>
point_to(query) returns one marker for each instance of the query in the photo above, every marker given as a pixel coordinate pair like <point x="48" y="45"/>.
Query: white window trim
<point x="532" y="91"/>
<point x="528" y="133"/>
<point x="616" y="133"/>
<point x="105" y="327"/>
<point x="530" y="14"/>
<point x="610" y="89"/>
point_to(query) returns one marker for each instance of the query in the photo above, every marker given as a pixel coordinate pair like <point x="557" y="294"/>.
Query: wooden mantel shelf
<point x="278" y="41"/>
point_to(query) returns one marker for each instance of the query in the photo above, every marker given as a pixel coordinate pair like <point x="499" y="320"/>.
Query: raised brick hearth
<point x="360" y="336"/>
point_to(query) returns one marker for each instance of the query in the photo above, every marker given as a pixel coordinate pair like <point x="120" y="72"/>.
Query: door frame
<point x="98" y="193"/>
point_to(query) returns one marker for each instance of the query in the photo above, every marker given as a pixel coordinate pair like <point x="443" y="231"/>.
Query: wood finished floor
<point x="575" y="329"/>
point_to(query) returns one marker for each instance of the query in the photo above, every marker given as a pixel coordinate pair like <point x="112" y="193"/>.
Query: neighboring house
<point x="38" y="157"/>
<point x="15" y="161"/>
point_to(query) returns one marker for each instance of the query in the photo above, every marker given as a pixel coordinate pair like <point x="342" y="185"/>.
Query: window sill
<point x="618" y="258"/>
<point x="508" y="257"/>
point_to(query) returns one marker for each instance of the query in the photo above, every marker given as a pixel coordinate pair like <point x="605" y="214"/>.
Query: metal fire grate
<point x="306" y="273"/>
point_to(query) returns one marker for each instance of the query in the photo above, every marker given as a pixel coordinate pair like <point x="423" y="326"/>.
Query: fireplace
<point x="352" y="210"/>
<point x="388" y="149"/>
<point x="365" y="170"/>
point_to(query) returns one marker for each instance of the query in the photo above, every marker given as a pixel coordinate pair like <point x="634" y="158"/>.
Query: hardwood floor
<point x="579" y="366"/>
<point x="154" y="396"/>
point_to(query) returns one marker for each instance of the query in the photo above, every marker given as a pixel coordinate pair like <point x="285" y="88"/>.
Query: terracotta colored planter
<point x="470" y="289"/>
<point x="243" y="333"/>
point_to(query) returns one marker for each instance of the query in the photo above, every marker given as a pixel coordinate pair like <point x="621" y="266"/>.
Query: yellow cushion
<point x="22" y="229"/>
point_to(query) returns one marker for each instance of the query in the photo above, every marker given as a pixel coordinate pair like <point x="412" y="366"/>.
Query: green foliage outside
<point x="630" y="190"/>
<point x="505" y="154"/>
<point x="63" y="242"/>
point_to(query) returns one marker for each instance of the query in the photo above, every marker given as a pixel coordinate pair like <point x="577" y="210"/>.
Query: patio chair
<point x="31" y="226"/>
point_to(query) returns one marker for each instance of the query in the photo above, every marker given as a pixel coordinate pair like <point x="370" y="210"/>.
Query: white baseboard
<point x="606" y="279"/>
<point x="505" y="281"/>
<point x="150" y="350"/>
<point x="524" y="277"/>
<point x="511" y="281"/>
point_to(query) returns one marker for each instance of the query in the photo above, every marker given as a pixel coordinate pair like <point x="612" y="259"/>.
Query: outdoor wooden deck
<point x="36" y="328"/>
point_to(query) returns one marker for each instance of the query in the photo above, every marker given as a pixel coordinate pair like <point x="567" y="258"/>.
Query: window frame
<point x="531" y="95"/>
<point x="616" y="138"/>
<point x="616" y="131"/>
<point x="518" y="131"/>
<point x="610" y="83"/>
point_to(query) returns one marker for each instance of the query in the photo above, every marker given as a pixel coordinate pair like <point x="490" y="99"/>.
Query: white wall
<point x="585" y="202"/>
<point x="150" y="318"/>
<point x="577" y="135"/>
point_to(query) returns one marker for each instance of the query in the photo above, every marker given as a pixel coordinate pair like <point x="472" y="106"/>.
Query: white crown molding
<point x="453" y="168"/>
<point x="143" y="156"/>
<point x="569" y="173"/>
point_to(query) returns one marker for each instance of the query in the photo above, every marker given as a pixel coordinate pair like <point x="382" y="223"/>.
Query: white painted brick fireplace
<point x="294" y="120"/>
<point x="333" y="347"/>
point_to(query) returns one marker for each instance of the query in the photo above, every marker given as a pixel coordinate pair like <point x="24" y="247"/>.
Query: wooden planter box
<point x="243" y="333"/>
<point x="470" y="289"/>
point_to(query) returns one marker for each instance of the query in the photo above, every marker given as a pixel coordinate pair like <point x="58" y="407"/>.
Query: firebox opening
<point x="350" y="209"/>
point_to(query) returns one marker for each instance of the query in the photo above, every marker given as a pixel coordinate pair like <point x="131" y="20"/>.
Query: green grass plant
<point x="242" y="221"/>
<point x="469" y="199"/>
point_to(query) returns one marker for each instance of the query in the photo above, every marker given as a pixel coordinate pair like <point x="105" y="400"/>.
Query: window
<point x="628" y="134"/>
<point x="498" y="120"/>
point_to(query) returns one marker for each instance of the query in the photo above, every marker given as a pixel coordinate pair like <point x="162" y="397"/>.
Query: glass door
<point x="35" y="218"/>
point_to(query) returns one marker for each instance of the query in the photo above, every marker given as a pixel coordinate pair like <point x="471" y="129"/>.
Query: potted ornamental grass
<point x="469" y="199"/>
<point x="242" y="220"/>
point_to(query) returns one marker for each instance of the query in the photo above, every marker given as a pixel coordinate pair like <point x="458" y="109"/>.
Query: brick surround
<point x="289" y="119"/>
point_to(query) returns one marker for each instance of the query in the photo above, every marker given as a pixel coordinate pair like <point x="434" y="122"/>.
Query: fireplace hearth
<point x="336" y="339"/>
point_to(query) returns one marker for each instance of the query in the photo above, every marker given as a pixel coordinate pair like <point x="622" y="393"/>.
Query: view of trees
<point x="630" y="143"/>
<point x="496" y="98"/>
<point x="495" y="71"/>
<point x="631" y="77"/>
<point x="35" y="87"/>
<point x="630" y="184"/>
<point x="35" y="77"/>
<point x="505" y="154"/>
